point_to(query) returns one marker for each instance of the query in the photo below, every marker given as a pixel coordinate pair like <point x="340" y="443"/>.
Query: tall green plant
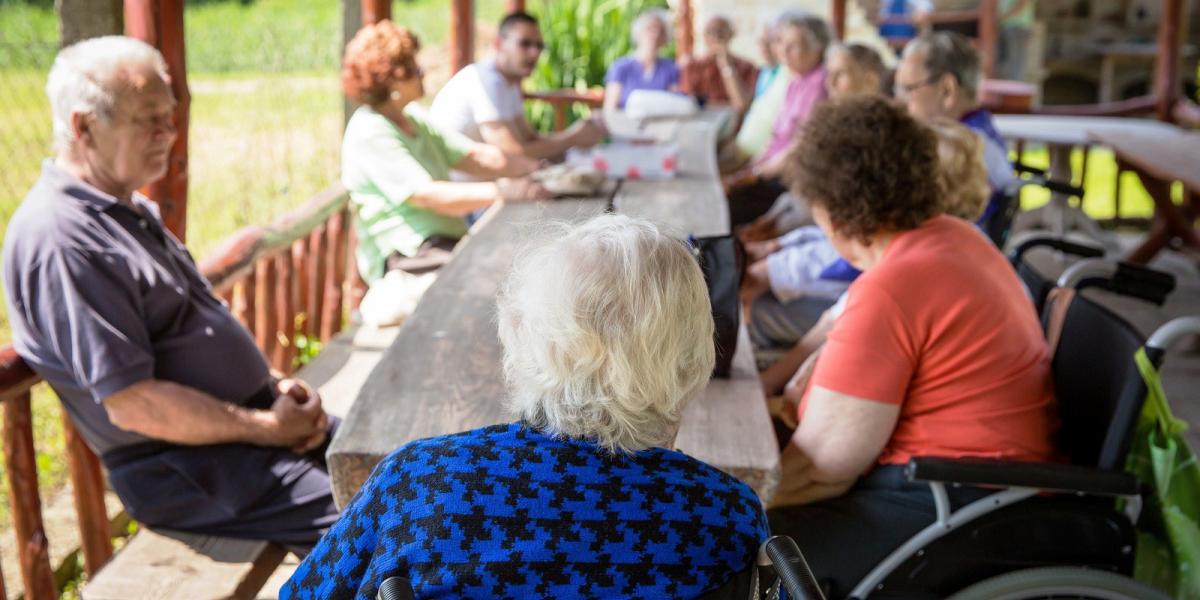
<point x="583" y="37"/>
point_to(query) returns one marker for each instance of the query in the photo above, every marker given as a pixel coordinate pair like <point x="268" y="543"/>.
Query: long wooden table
<point x="442" y="373"/>
<point x="1161" y="158"/>
<point x="1062" y="134"/>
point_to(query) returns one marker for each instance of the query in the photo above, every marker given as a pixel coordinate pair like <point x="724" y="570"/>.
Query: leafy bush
<point x="583" y="37"/>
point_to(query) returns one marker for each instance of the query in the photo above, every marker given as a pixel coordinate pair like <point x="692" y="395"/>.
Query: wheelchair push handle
<point x="792" y="569"/>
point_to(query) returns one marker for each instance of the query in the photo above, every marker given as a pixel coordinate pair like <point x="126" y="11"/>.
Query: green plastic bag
<point x="1168" y="553"/>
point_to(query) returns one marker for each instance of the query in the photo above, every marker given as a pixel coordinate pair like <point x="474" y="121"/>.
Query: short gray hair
<point x="643" y="21"/>
<point x="947" y="52"/>
<point x="85" y="76"/>
<point x="814" y="27"/>
<point x="607" y="333"/>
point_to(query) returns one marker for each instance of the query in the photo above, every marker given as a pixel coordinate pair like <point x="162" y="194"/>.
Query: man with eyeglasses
<point x="484" y="101"/>
<point x="938" y="78"/>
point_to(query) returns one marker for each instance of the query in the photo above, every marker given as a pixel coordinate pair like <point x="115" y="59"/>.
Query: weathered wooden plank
<point x="171" y="565"/>
<point x="21" y="466"/>
<point x="442" y="373"/>
<point x="243" y="302"/>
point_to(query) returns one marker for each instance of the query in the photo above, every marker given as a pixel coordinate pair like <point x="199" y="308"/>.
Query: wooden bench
<point x="170" y="565"/>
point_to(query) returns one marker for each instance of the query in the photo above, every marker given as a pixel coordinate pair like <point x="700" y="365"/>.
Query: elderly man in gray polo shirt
<point x="106" y="305"/>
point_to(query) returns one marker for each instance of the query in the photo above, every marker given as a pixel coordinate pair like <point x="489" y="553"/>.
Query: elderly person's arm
<point x="612" y="96"/>
<point x="520" y="138"/>
<point x="839" y="438"/>
<point x="176" y="413"/>
<point x="485" y="161"/>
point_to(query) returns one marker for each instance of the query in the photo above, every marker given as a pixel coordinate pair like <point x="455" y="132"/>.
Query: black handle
<point x="396" y="588"/>
<point x="792" y="569"/>
<point x="1059" y="244"/>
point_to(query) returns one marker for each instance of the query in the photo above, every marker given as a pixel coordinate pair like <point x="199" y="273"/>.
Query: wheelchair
<point x="1049" y="530"/>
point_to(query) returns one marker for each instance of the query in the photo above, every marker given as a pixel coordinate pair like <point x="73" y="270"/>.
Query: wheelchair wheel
<point x="1059" y="582"/>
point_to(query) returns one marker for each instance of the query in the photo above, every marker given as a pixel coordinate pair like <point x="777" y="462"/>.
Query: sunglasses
<point x="526" y="44"/>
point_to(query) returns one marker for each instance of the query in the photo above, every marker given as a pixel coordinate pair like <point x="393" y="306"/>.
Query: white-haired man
<point x="106" y="305"/>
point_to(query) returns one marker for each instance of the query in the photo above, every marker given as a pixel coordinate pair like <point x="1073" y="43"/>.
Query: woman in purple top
<point x="644" y="69"/>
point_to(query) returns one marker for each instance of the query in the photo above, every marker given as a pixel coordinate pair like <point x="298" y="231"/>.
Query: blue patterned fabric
<point x="509" y="512"/>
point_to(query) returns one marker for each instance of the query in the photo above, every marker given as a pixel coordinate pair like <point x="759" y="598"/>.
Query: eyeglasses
<point x="903" y="89"/>
<point x="526" y="44"/>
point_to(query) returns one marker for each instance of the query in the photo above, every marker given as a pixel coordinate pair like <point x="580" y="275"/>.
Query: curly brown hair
<point x="378" y="55"/>
<point x="869" y="164"/>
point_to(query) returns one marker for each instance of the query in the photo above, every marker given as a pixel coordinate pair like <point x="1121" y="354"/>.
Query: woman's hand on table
<point x="521" y="189"/>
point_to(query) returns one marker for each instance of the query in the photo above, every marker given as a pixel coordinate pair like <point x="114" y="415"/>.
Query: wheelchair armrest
<point x="1006" y="473"/>
<point x="1055" y="243"/>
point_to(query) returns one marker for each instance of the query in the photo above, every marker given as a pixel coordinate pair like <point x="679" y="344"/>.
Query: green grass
<point x="1098" y="187"/>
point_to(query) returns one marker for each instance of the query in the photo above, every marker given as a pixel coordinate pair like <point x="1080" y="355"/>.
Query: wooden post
<point x="82" y="19"/>
<point x="837" y="14"/>
<point x="87" y="484"/>
<point x="315" y="303"/>
<point x="26" y="504"/>
<point x="160" y="24"/>
<point x="462" y="34"/>
<point x="243" y="302"/>
<point x="684" y="36"/>
<point x="335" y="274"/>
<point x="374" y="11"/>
<point x="301" y="273"/>
<point x="512" y="6"/>
<point x="989" y="32"/>
<point x="1166" y="67"/>
<point x="265" y="329"/>
<point x="285" y="313"/>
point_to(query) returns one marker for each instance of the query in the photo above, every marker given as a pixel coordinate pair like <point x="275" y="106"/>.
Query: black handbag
<point x="723" y="262"/>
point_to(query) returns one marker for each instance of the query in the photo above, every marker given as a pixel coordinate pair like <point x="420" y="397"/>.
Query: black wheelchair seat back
<point x="1097" y="385"/>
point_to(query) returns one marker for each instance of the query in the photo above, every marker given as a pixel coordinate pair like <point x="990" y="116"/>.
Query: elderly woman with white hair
<point x="643" y="69"/>
<point x="607" y="335"/>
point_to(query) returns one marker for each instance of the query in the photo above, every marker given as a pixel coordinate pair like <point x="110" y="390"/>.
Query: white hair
<point x="86" y="75"/>
<point x="607" y="333"/>
<point x="815" y="28"/>
<point x="643" y="21"/>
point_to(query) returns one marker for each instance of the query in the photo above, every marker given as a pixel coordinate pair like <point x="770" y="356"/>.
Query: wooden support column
<point x="685" y="42"/>
<point x="512" y="6"/>
<point x="20" y="462"/>
<point x="374" y="11"/>
<point x="989" y="35"/>
<point x="87" y="483"/>
<point x="837" y="14"/>
<point x="160" y="24"/>
<point x="462" y="34"/>
<point x="1166" y="67"/>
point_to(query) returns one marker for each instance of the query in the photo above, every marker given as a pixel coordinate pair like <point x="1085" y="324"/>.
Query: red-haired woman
<point x="396" y="164"/>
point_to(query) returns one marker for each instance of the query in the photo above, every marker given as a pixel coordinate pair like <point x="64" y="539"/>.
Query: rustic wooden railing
<point x="561" y="101"/>
<point x="287" y="279"/>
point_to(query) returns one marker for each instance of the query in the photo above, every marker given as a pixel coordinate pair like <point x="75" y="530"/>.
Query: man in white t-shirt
<point x="484" y="101"/>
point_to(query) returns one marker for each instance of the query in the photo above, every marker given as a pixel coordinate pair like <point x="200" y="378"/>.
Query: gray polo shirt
<point x="101" y="296"/>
